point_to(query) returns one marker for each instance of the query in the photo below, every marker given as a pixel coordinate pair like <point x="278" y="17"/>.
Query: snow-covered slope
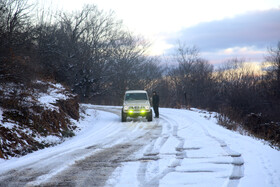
<point x="34" y="116"/>
<point x="181" y="148"/>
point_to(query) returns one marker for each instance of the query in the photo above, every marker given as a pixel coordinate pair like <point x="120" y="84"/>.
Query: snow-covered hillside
<point x="34" y="116"/>
<point x="181" y="148"/>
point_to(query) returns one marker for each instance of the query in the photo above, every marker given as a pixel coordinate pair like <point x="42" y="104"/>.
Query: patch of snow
<point x="8" y="125"/>
<point x="127" y="174"/>
<point x="54" y="93"/>
<point x="48" y="139"/>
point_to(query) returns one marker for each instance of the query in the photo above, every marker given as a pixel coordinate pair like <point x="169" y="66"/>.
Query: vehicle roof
<point x="136" y="91"/>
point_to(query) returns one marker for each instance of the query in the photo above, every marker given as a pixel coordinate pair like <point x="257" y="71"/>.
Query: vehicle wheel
<point x="123" y="117"/>
<point x="150" y="116"/>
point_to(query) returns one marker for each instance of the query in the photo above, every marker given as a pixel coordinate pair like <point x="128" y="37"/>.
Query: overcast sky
<point x="219" y="28"/>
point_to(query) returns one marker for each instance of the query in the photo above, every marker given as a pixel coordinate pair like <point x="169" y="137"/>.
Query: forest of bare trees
<point x="90" y="52"/>
<point x="241" y="96"/>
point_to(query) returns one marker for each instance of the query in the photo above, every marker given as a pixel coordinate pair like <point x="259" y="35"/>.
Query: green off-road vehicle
<point x="136" y="103"/>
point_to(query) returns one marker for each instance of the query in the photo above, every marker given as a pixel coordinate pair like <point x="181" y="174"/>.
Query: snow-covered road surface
<point x="181" y="148"/>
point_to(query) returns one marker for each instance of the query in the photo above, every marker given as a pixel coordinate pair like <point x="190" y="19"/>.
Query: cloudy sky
<point x="221" y="29"/>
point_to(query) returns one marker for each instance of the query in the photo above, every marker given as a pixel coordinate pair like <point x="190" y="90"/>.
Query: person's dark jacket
<point x="155" y="100"/>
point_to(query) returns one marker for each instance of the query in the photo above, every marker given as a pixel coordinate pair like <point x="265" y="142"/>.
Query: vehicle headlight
<point x="147" y="107"/>
<point x="125" y="107"/>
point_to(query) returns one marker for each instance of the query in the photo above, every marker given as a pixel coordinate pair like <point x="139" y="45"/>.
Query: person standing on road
<point x="155" y="103"/>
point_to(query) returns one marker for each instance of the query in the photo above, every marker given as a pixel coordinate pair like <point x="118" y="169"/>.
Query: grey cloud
<point x="259" y="28"/>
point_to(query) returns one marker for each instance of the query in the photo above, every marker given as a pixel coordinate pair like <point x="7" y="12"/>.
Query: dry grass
<point x="254" y="125"/>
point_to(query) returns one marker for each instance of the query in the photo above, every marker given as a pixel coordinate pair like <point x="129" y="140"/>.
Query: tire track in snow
<point x="94" y="170"/>
<point x="237" y="159"/>
<point x="237" y="162"/>
<point x="154" y="151"/>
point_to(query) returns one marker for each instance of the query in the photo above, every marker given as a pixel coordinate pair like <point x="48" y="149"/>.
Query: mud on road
<point x="96" y="169"/>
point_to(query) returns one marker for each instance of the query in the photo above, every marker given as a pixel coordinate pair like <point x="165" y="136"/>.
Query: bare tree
<point x="16" y="37"/>
<point x="15" y="23"/>
<point x="127" y="62"/>
<point x="192" y="77"/>
<point x="274" y="71"/>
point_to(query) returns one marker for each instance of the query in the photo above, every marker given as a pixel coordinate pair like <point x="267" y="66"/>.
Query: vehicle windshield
<point x="136" y="96"/>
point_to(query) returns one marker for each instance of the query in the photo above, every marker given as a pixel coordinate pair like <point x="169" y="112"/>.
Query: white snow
<point x="48" y="139"/>
<point x="8" y="125"/>
<point x="191" y="150"/>
<point x="55" y="92"/>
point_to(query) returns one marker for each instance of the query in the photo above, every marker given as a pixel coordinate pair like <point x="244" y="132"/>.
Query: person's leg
<point x="156" y="111"/>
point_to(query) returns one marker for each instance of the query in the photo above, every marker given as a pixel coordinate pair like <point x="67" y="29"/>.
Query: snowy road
<point x="181" y="148"/>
